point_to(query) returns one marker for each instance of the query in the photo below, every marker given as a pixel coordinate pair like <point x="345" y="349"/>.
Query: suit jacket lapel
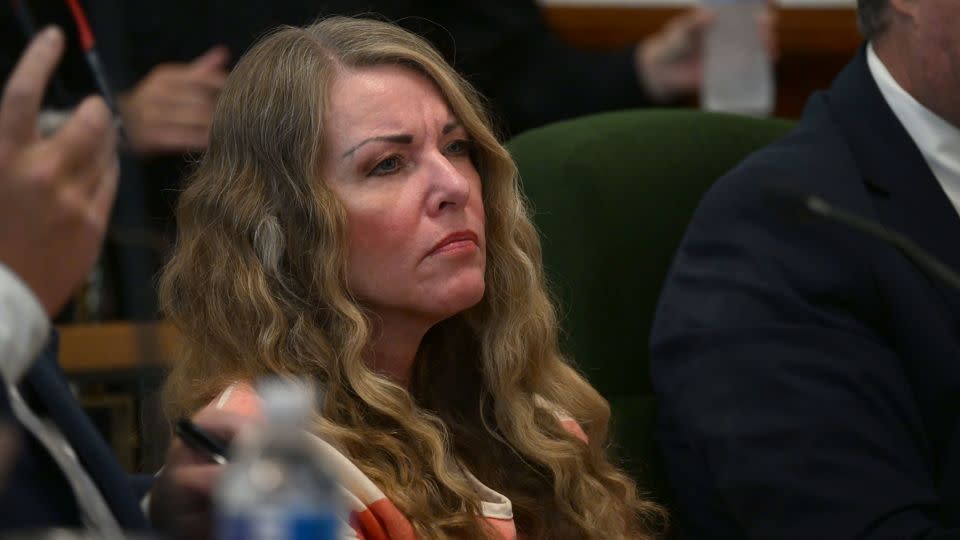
<point x="50" y="389"/>
<point x="907" y="196"/>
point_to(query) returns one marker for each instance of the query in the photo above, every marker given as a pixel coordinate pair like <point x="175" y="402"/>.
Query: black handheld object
<point x="87" y="43"/>
<point x="201" y="441"/>
<point x="812" y="205"/>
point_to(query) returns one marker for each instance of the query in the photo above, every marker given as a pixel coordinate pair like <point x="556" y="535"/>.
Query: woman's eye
<point x="387" y="166"/>
<point x="459" y="147"/>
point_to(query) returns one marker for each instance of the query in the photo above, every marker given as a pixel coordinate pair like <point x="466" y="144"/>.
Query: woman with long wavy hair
<point x="356" y="222"/>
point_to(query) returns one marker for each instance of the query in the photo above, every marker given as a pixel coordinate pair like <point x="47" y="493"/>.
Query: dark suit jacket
<point x="809" y="375"/>
<point x="36" y="494"/>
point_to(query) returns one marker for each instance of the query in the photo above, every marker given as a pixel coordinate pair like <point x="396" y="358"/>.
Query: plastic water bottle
<point x="275" y="487"/>
<point x="737" y="73"/>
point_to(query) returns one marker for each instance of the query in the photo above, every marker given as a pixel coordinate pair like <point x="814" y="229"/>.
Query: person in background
<point x="503" y="47"/>
<point x="807" y="374"/>
<point x="355" y="222"/>
<point x="55" y="198"/>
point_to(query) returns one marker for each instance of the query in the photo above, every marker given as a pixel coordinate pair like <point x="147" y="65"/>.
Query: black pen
<point x="93" y="62"/>
<point x="201" y="441"/>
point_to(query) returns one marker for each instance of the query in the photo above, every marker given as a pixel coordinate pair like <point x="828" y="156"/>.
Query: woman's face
<point x="398" y="161"/>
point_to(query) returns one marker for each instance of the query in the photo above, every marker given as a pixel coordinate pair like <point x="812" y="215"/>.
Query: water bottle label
<point x="270" y="525"/>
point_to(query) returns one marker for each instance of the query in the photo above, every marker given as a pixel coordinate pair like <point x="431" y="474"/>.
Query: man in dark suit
<point x="809" y="375"/>
<point x="55" y="197"/>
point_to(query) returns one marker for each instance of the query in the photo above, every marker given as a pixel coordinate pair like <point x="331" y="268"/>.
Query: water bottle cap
<point x="286" y="399"/>
<point x="722" y="3"/>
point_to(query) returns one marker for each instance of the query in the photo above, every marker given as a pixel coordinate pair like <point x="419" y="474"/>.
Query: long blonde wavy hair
<point x="257" y="285"/>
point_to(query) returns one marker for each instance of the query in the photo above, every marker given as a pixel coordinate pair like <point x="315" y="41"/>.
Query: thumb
<point x="682" y="35"/>
<point x="214" y="59"/>
<point x="696" y="20"/>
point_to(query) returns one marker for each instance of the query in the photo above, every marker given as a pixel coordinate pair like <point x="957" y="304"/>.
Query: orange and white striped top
<point x="372" y="516"/>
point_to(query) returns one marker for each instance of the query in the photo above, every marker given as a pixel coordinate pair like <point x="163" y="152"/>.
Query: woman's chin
<point x="458" y="298"/>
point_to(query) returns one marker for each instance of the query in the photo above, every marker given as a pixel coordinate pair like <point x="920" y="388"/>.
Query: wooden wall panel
<point x="91" y="348"/>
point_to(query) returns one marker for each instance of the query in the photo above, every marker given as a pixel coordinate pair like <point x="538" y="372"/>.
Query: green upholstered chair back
<point x="612" y="194"/>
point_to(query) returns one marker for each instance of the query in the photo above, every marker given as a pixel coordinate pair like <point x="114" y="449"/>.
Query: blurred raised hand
<point x="55" y="192"/>
<point x="170" y="110"/>
<point x="670" y="62"/>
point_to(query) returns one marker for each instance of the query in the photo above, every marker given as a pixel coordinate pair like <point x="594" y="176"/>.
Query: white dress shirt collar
<point x="937" y="139"/>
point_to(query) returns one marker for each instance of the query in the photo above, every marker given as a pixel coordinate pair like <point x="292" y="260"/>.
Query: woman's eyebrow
<point x="452" y="125"/>
<point x="400" y="138"/>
